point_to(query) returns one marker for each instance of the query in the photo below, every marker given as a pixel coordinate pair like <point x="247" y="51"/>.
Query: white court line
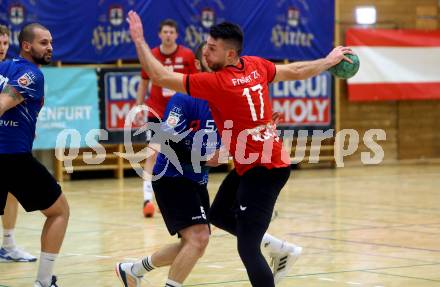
<point x="353" y="283"/>
<point x="87" y="255"/>
<point x="73" y="254"/>
<point x="102" y="256"/>
<point x="326" y="279"/>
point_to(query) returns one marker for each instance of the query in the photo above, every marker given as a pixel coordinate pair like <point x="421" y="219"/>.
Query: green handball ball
<point x="344" y="69"/>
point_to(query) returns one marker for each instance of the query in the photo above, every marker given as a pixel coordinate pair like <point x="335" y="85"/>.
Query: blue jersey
<point x="186" y="114"/>
<point x="17" y="125"/>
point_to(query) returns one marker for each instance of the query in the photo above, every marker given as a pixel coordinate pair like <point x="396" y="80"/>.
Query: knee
<point x="248" y="245"/>
<point x="198" y="239"/>
<point x="247" y="248"/>
<point x="60" y="208"/>
<point x="63" y="207"/>
<point x="66" y="211"/>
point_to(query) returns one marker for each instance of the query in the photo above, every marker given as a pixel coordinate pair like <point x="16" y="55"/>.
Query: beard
<point x="44" y="59"/>
<point x="204" y="67"/>
<point x="216" y="67"/>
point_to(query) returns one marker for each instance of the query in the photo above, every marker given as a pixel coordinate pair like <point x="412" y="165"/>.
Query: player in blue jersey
<point x="181" y="192"/>
<point x="9" y="252"/>
<point x="21" y="99"/>
<point x="182" y="195"/>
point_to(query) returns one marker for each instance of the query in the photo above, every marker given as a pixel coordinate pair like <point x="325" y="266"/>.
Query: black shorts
<point x="149" y="132"/>
<point x="251" y="197"/>
<point x="182" y="202"/>
<point x="28" y="180"/>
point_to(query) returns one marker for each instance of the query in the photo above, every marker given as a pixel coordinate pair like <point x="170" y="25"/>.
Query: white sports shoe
<point x="16" y="255"/>
<point x="283" y="262"/>
<point x="126" y="276"/>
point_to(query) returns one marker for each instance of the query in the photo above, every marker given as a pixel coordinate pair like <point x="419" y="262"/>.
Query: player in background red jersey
<point x="173" y="57"/>
<point x="239" y="99"/>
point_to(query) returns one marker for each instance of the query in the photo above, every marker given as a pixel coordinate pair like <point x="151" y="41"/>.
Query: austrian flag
<point x="395" y="64"/>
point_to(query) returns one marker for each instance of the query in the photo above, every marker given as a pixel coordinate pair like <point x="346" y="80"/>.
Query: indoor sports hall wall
<point x="411" y="126"/>
<point x="96" y="31"/>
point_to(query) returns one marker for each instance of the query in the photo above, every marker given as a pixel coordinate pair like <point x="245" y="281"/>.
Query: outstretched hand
<point x="136" y="28"/>
<point x="338" y="54"/>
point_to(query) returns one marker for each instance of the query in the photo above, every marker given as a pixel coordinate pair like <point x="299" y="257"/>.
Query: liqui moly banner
<point x="305" y="104"/>
<point x="117" y="92"/>
<point x="395" y="65"/>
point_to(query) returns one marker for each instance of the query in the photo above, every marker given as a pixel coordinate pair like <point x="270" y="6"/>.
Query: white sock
<point x="171" y="283"/>
<point x="143" y="266"/>
<point x="148" y="190"/>
<point x="273" y="244"/>
<point x="8" y="239"/>
<point x="45" y="269"/>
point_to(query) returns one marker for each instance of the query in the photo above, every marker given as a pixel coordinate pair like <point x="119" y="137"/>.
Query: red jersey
<point x="180" y="61"/>
<point x="240" y="104"/>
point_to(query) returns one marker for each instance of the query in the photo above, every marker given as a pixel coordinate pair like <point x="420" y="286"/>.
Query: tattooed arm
<point x="9" y="98"/>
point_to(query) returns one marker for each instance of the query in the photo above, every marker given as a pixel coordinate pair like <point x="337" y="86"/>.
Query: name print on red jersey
<point x="254" y="75"/>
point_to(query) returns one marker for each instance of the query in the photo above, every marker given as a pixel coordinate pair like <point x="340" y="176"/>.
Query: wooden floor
<point x="363" y="226"/>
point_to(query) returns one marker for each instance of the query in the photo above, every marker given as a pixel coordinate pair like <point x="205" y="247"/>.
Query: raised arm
<point x="306" y="69"/>
<point x="142" y="91"/>
<point x="156" y="71"/>
<point x="9" y="98"/>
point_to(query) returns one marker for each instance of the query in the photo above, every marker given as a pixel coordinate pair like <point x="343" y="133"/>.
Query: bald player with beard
<point x="9" y="251"/>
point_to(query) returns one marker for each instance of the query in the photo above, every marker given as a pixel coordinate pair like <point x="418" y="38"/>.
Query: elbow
<point x="155" y="77"/>
<point x="296" y="74"/>
<point x="164" y="80"/>
<point x="158" y="78"/>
